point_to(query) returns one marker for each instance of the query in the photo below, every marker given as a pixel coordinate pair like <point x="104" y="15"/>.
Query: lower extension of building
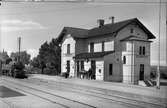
<point x="119" y="51"/>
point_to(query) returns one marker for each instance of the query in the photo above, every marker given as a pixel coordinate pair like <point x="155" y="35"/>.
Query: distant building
<point x="114" y="52"/>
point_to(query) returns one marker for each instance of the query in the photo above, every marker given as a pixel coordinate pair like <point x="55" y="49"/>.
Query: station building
<point x="118" y="51"/>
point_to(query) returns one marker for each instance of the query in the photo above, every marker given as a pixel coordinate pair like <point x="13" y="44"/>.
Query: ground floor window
<point x="110" y="69"/>
<point x="124" y="59"/>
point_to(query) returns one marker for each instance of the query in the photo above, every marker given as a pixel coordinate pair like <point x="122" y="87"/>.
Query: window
<point x="131" y="30"/>
<point x="143" y="50"/>
<point x="82" y="65"/>
<point x="68" y="48"/>
<point x="109" y="46"/>
<point x="102" y="46"/>
<point x="91" y="47"/>
<point x="140" y="50"/>
<point x="110" y="69"/>
<point x="124" y="60"/>
<point x="97" y="47"/>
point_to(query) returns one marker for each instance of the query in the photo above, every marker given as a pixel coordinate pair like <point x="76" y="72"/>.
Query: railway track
<point x="109" y="98"/>
<point x="69" y="102"/>
<point x="99" y="94"/>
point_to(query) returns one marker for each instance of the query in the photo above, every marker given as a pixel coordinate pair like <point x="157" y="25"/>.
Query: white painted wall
<point x="128" y="46"/>
<point x="88" y="47"/>
<point x="87" y="65"/>
<point x="65" y="57"/>
<point x="133" y="60"/>
<point x="99" y="70"/>
<point x="68" y="40"/>
<point x="129" y="67"/>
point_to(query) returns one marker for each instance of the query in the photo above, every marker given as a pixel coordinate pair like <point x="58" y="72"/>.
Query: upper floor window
<point x="109" y="46"/>
<point x="91" y="47"/>
<point x="142" y="50"/>
<point x="68" y="48"/>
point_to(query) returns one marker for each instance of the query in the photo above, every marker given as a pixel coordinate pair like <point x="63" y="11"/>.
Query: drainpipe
<point x="133" y="63"/>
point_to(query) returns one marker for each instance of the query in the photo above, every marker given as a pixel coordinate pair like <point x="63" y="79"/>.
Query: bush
<point x="50" y="71"/>
<point x="35" y="70"/>
<point x="153" y="74"/>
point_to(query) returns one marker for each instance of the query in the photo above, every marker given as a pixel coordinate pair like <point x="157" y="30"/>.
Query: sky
<point x="37" y="22"/>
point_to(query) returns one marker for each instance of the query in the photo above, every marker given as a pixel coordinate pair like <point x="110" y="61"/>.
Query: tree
<point x="55" y="54"/>
<point x="43" y="52"/>
<point x="50" y="53"/>
<point x="24" y="57"/>
<point x="4" y="56"/>
<point x="35" y="62"/>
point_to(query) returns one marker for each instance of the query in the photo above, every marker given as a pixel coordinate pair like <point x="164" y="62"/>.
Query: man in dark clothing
<point x="90" y="73"/>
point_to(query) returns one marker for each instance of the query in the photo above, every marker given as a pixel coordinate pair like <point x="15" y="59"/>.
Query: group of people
<point x="90" y="74"/>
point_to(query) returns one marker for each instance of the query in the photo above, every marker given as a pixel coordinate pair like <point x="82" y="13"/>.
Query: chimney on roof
<point x="100" y="22"/>
<point x="112" y="19"/>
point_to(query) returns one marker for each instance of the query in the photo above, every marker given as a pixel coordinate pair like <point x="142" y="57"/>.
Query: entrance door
<point x="141" y="72"/>
<point x="93" y="67"/>
<point x="77" y="68"/>
<point x="68" y="66"/>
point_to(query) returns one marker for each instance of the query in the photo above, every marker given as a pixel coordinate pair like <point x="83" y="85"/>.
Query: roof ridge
<point x="75" y="28"/>
<point x="123" y="21"/>
<point x="115" y="23"/>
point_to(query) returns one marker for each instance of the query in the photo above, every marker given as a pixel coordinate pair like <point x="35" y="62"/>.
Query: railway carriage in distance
<point x="14" y="69"/>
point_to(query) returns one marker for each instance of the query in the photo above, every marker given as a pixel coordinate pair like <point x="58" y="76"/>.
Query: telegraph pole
<point x="166" y="33"/>
<point x="19" y="44"/>
<point x="158" y="67"/>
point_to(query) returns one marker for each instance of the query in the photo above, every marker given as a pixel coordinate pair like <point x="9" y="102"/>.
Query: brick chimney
<point x="112" y="19"/>
<point x="100" y="22"/>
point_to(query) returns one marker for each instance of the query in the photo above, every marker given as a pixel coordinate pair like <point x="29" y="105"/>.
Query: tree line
<point x="6" y="59"/>
<point x="49" y="58"/>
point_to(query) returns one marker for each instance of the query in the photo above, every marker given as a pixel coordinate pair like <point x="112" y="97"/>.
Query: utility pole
<point x="19" y="47"/>
<point x="166" y="33"/>
<point x="158" y="67"/>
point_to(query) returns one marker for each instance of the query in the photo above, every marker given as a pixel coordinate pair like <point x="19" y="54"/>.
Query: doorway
<point x="68" y="66"/>
<point x="93" y="67"/>
<point x="78" y="69"/>
<point x="141" y="76"/>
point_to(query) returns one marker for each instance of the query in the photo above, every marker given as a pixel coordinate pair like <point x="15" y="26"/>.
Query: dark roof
<point x="92" y="55"/>
<point x="75" y="32"/>
<point x="106" y="29"/>
<point x="134" y="38"/>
